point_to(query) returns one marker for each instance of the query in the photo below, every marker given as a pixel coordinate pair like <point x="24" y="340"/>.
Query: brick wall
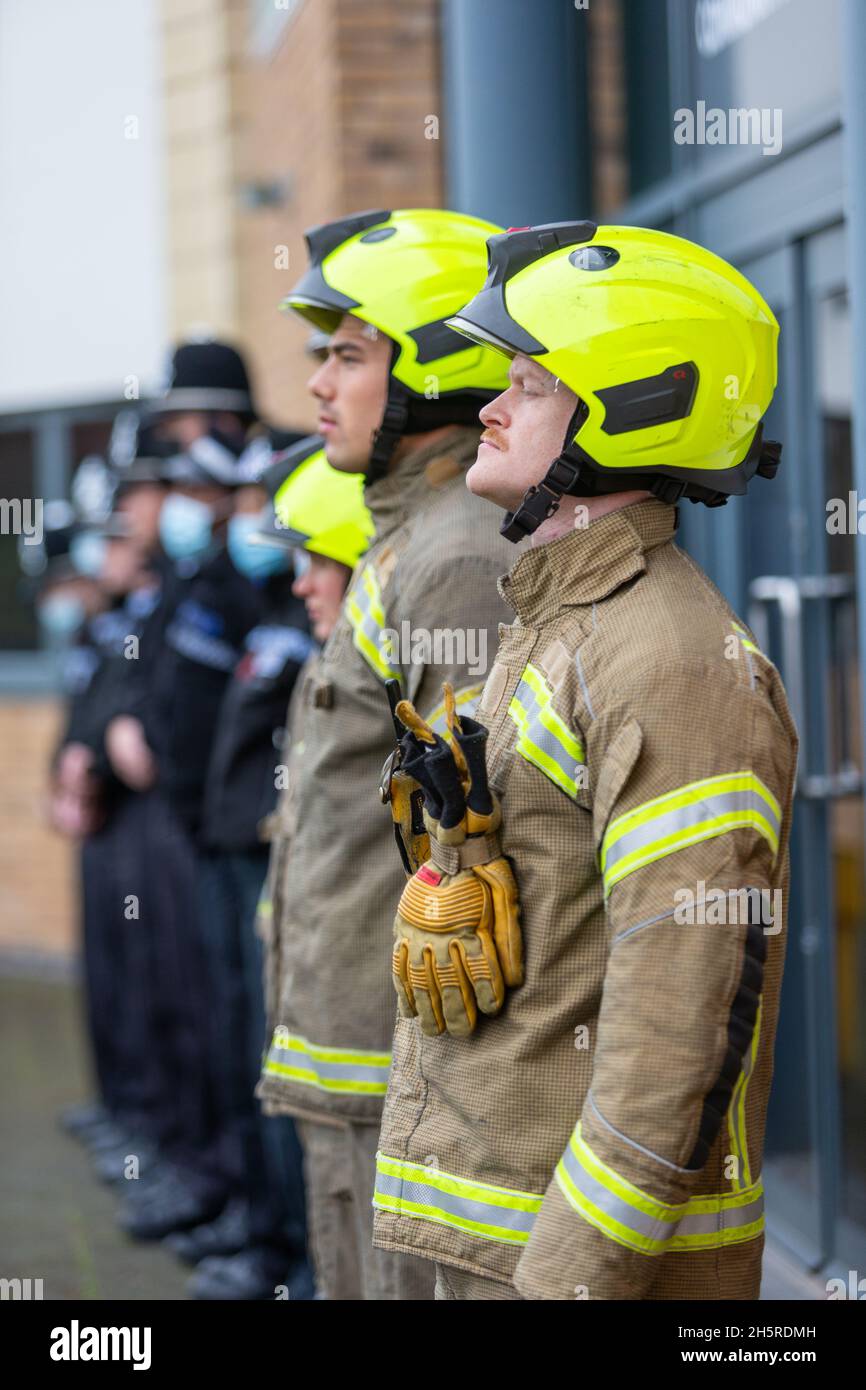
<point x="38" y="869"/>
<point x="337" y="113"/>
<point x="198" y="163"/>
<point x="607" y="105"/>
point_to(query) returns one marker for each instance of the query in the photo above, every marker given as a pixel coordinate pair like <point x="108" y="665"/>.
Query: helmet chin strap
<point x="542" y="501"/>
<point x="395" y="419"/>
<point x="575" y="472"/>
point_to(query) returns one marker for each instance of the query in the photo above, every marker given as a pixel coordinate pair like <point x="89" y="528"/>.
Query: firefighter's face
<point x="322" y="584"/>
<point x="351" y="388"/>
<point x="524" y="431"/>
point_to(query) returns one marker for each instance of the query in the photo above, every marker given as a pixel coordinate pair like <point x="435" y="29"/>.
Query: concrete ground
<point x="56" y="1220"/>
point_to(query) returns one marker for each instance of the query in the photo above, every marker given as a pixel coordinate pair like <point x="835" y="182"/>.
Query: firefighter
<point x="597" y="1130"/>
<point x="320" y="515"/>
<point x="398" y="398"/>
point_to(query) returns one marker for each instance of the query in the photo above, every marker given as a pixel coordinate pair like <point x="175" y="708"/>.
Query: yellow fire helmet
<point x="318" y="508"/>
<point x="670" y="351"/>
<point x="405" y="272"/>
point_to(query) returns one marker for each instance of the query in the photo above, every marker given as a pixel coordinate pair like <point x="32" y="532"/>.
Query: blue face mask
<point x="185" y="526"/>
<point x="60" y="616"/>
<point x="87" y="553"/>
<point x="254" y="560"/>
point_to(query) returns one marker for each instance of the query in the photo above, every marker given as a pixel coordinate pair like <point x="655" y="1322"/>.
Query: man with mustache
<point x="599" y="1133"/>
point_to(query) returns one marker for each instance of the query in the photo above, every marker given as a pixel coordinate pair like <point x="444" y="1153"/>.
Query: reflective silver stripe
<point x="421" y="1194"/>
<point x="686" y="817"/>
<point x="544" y="738"/>
<point x="631" y="1217"/>
<point x="607" y="1201"/>
<point x="366" y="616"/>
<point x="329" y="1069"/>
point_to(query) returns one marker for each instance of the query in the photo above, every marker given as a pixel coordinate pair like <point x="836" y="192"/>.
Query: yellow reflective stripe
<point x="367" y="618"/>
<point x="429" y="1194"/>
<point x="543" y="738"/>
<point x="347" y="1070"/>
<point x="371" y="585"/>
<point x="633" y="1218"/>
<point x="549" y="718"/>
<point x="537" y="756"/>
<point x="745" y="639"/>
<point x="697" y="811"/>
<point x="737" y="1110"/>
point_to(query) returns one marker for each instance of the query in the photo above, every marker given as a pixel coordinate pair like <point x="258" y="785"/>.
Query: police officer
<point x="88" y="804"/>
<point x="259" y="1241"/>
<point x="599" y="1134"/>
<point x="132" y="566"/>
<point x="161" y="741"/>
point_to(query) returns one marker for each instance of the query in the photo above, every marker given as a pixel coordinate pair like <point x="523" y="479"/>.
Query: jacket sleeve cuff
<point x="607" y="1217"/>
<point x="567" y="1258"/>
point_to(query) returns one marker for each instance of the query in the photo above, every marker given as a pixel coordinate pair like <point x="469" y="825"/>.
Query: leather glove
<point x="457" y="934"/>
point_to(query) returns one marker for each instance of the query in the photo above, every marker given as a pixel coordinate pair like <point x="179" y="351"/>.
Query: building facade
<point x="739" y="123"/>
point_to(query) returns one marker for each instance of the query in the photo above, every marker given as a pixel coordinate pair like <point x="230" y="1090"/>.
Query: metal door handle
<point x="790" y="594"/>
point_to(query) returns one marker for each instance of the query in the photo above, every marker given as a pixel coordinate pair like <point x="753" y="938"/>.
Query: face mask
<point x="87" y="553"/>
<point x="185" y="526"/>
<point x="252" y="559"/>
<point x="60" y="616"/>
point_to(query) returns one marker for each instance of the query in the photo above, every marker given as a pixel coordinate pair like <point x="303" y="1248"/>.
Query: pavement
<point x="56" y="1219"/>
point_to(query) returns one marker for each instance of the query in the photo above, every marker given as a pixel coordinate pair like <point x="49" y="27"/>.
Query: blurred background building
<point x="160" y="161"/>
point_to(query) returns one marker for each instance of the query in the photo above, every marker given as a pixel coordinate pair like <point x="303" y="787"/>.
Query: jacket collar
<point x="586" y="565"/>
<point x="393" y="498"/>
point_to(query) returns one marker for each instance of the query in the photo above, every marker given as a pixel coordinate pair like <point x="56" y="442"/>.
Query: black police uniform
<point x="241" y="791"/>
<point x="114" y="953"/>
<point x="188" y="652"/>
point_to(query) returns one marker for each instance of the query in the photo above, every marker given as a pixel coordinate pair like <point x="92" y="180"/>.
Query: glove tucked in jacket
<point x="457" y="934"/>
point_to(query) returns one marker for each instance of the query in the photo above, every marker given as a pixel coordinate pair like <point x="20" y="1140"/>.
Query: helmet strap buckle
<point x="539" y="503"/>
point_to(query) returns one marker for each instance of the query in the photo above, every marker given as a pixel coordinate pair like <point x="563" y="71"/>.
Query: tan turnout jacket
<point x="430" y="578"/>
<point x="602" y="1137"/>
